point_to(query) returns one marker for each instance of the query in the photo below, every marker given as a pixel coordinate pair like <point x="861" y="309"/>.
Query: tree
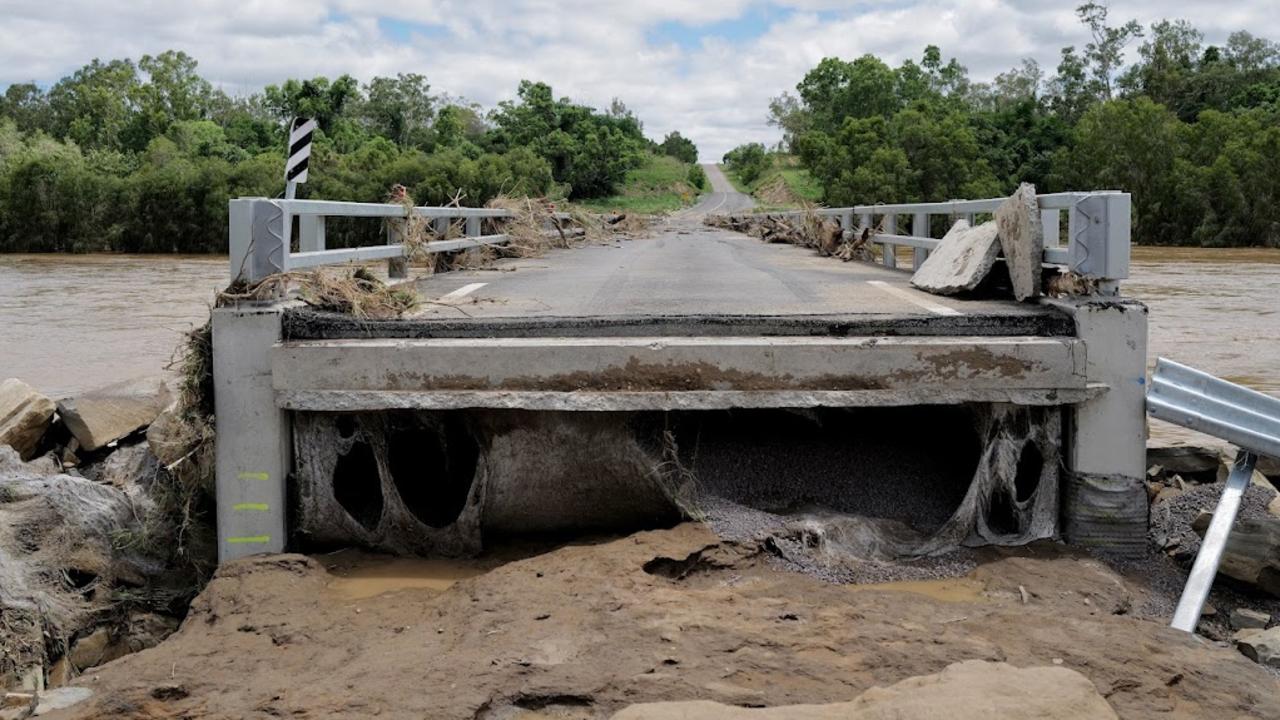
<point x="172" y="92"/>
<point x="679" y="147"/>
<point x="748" y="162"/>
<point x="316" y="98"/>
<point x="1106" y="51"/>
<point x="1071" y="92"/>
<point x="95" y="106"/>
<point x="399" y="108"/>
<point x="27" y="106"/>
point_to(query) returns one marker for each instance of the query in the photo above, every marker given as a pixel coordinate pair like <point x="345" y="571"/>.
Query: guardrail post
<point x="1050" y="220"/>
<point x="846" y="224"/>
<point x="890" y="251"/>
<point x="1099" y="238"/>
<point x="311" y="233"/>
<point x="397" y="267"/>
<point x="919" y="228"/>
<point x="252" y="448"/>
<point x="473" y="227"/>
<point x="256" y="239"/>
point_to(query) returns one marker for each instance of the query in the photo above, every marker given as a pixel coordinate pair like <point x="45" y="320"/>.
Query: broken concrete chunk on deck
<point x="961" y="261"/>
<point x="1022" y="239"/>
<point x="24" y="416"/>
<point x="107" y="414"/>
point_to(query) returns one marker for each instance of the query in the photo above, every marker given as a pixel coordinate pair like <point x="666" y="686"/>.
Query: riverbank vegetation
<point x="1192" y="130"/>
<point x="143" y="157"/>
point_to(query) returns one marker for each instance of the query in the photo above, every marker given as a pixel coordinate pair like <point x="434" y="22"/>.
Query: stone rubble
<point x="24" y="416"/>
<point x="100" y="417"/>
<point x="1247" y="619"/>
<point x="1260" y="646"/>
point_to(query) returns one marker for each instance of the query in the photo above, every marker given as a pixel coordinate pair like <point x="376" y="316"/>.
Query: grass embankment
<point x="660" y="184"/>
<point x="783" y="186"/>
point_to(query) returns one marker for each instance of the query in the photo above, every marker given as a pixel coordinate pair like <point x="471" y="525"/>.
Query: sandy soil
<point x="586" y="630"/>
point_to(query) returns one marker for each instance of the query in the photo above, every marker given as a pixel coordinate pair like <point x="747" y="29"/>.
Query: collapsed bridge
<point x="612" y="385"/>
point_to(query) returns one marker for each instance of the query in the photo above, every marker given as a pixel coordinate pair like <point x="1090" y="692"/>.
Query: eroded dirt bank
<point x="587" y="630"/>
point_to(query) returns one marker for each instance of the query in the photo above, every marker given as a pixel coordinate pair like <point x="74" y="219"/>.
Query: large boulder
<point x="971" y="690"/>
<point x="1022" y="239"/>
<point x="100" y="417"/>
<point x="24" y="416"/>
<point x="961" y="261"/>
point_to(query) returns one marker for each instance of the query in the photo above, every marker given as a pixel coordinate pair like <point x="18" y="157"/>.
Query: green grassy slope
<point x="660" y="184"/>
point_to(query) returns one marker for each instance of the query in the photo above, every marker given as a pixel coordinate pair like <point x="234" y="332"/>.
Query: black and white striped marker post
<point x="295" y="168"/>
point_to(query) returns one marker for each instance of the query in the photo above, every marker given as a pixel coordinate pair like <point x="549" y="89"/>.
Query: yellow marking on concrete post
<point x="250" y="506"/>
<point x="253" y="476"/>
<point x="250" y="540"/>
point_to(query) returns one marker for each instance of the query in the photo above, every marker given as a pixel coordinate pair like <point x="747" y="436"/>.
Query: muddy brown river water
<point x="74" y="322"/>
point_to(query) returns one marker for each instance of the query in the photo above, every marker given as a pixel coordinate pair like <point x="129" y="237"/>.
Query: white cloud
<point x="716" y="91"/>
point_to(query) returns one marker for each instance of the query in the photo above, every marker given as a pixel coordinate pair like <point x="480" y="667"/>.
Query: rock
<point x="1022" y="239"/>
<point x="17" y="705"/>
<point x="1184" y="459"/>
<point x="93" y="649"/>
<point x="24" y="416"/>
<point x="1260" y="646"/>
<point x="102" y="416"/>
<point x="131" y="468"/>
<point x="1246" y="619"/>
<point x="1252" y="554"/>
<point x="60" y="673"/>
<point x="970" y="690"/>
<point x="961" y="261"/>
<point x="1273" y="507"/>
<point x="61" y="699"/>
<point x="167" y="437"/>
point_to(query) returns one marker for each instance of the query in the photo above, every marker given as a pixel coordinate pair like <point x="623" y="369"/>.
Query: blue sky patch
<point x="403" y="31"/>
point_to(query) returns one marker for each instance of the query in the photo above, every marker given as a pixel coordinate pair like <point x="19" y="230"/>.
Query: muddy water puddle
<point x="358" y="576"/>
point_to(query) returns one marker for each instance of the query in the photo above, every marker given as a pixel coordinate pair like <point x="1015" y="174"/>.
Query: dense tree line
<point x="143" y="157"/>
<point x="1191" y="130"/>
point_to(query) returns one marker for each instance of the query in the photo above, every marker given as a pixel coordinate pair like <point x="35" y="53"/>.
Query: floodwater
<point x="74" y="322"/>
<point x="70" y="323"/>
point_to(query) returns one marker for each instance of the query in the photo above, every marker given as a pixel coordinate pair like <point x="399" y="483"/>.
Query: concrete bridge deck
<point x="686" y="318"/>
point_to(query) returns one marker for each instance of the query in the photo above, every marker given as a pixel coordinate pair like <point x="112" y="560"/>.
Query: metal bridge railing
<point x="1096" y="243"/>
<point x="261" y="234"/>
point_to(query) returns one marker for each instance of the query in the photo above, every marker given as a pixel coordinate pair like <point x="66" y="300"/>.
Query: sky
<point x="704" y="67"/>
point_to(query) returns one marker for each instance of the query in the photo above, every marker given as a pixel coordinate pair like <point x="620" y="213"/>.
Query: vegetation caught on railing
<point x="143" y="157"/>
<point x="1191" y="130"/>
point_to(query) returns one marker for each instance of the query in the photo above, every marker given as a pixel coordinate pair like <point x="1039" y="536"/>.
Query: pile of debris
<point x="100" y="548"/>
<point x="805" y="228"/>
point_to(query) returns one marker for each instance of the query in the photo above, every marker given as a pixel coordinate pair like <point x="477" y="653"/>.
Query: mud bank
<point x="587" y="630"/>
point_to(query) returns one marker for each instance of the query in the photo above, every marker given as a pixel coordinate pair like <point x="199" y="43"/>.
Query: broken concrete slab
<point x="24" y="416"/>
<point x="971" y="690"/>
<point x="961" y="261"/>
<point x="1022" y="239"/>
<point x="1185" y="459"/>
<point x="100" y="417"/>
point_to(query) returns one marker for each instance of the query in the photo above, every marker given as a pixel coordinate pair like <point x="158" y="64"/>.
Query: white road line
<point x="911" y="298"/>
<point x="462" y="292"/>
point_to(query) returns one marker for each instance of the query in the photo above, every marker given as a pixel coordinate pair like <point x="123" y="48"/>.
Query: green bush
<point x="697" y="177"/>
<point x="748" y="162"/>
